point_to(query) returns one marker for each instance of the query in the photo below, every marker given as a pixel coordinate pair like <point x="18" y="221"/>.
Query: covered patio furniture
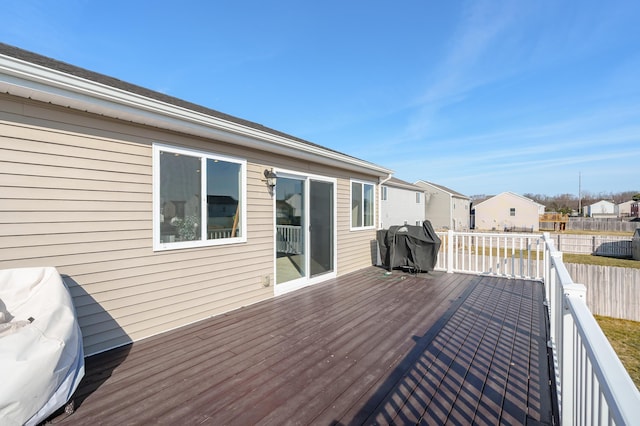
<point x="409" y="247"/>
<point x="41" y="355"/>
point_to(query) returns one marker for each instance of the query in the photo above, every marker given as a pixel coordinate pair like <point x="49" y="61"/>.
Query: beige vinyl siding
<point x="354" y="247"/>
<point x="76" y="194"/>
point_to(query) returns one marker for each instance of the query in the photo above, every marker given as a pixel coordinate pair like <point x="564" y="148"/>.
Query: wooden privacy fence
<point x="602" y="245"/>
<point x="591" y="224"/>
<point x="611" y="291"/>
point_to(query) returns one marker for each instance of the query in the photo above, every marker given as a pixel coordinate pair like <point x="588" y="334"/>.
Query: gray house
<point x="444" y="207"/>
<point x="401" y="203"/>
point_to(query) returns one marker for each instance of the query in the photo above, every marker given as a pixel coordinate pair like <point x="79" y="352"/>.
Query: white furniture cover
<point x="41" y="356"/>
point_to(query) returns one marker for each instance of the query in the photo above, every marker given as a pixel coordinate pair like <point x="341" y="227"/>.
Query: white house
<point x="507" y="211"/>
<point x="601" y="209"/>
<point x="401" y="203"/>
<point x="444" y="207"/>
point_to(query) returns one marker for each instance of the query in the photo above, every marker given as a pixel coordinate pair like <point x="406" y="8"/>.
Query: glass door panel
<point x="321" y="227"/>
<point x="290" y="230"/>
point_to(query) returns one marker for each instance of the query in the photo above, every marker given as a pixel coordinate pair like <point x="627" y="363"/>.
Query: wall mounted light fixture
<point x="270" y="178"/>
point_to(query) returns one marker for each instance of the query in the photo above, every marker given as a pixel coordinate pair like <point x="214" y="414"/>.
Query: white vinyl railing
<point x="289" y="239"/>
<point x="508" y="255"/>
<point x="592" y="385"/>
<point x="214" y="234"/>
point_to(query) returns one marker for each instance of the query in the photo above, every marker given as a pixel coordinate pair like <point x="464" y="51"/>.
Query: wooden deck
<point x="365" y="348"/>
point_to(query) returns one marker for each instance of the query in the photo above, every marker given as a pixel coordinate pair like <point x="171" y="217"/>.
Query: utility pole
<point x="579" y="193"/>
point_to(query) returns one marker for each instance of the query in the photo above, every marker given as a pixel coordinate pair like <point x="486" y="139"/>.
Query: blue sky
<point x="480" y="96"/>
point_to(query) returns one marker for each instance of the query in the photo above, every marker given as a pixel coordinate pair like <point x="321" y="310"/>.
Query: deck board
<point x="364" y="348"/>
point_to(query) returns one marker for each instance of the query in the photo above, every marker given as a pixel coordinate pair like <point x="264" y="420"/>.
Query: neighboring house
<point x="444" y="207"/>
<point x="507" y="211"/>
<point x="601" y="209"/>
<point x="401" y="203"/>
<point x="624" y="209"/>
<point x="157" y="211"/>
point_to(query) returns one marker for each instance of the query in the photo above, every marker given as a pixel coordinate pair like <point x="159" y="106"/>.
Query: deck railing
<point x="593" y="387"/>
<point x="508" y="255"/>
<point x="289" y="239"/>
<point x="216" y="233"/>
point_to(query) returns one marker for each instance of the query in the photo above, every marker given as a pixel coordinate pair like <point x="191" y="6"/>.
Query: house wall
<point x="401" y="207"/>
<point x="494" y="213"/>
<point x="624" y="209"/>
<point x="437" y="208"/>
<point x="354" y="247"/>
<point x="76" y="194"/>
<point x="461" y="213"/>
<point x="602" y="209"/>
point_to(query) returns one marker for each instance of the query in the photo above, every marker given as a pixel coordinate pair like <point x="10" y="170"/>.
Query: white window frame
<point x="384" y="193"/>
<point x="363" y="183"/>
<point x="289" y="286"/>
<point x="203" y="241"/>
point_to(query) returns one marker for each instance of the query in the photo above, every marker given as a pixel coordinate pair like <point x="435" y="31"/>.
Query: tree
<point x="565" y="210"/>
<point x="636" y="197"/>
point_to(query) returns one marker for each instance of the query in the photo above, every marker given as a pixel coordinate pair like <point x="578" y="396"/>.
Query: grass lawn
<point x="624" y="336"/>
<point x="588" y="259"/>
<point x="580" y="232"/>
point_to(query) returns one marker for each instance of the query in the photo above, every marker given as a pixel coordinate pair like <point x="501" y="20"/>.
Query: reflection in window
<point x="179" y="197"/>
<point x="199" y="196"/>
<point x="223" y="195"/>
<point x="362" y="203"/>
<point x="368" y="204"/>
<point x="356" y="204"/>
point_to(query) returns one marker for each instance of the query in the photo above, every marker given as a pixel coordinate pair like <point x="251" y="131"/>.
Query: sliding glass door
<point x="290" y="225"/>
<point x="321" y="227"/>
<point x="305" y="230"/>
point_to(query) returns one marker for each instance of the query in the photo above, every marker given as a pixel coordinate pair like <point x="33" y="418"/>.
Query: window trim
<point x="374" y="202"/>
<point x="204" y="156"/>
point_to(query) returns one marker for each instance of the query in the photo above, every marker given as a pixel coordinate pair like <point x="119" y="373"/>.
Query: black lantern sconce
<point x="270" y="178"/>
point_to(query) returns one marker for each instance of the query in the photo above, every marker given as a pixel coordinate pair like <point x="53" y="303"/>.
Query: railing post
<point x="555" y="292"/>
<point x="547" y="245"/>
<point x="570" y="381"/>
<point x="450" y="251"/>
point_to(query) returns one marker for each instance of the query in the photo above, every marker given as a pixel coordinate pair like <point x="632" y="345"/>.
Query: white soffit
<point x="27" y="80"/>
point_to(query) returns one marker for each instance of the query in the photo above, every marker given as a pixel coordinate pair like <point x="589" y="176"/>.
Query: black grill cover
<point x="407" y="246"/>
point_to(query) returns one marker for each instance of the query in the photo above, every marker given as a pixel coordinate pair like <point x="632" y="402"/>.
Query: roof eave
<point x="24" y="79"/>
<point x="443" y="189"/>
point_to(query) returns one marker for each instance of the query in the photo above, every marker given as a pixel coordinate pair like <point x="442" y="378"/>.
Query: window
<point x="418" y="197"/>
<point x="512" y="211"/>
<point x="198" y="198"/>
<point x="384" y="193"/>
<point x="362" y="202"/>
